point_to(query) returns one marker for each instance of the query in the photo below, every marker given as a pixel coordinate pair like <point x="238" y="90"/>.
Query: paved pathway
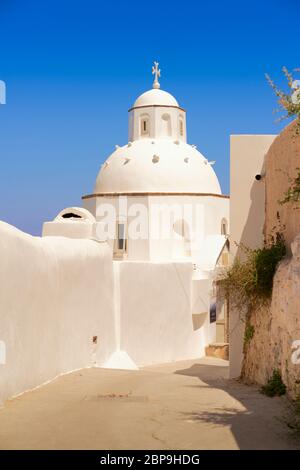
<point x="183" y="405"/>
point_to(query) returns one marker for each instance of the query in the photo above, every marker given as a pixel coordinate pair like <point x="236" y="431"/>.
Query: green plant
<point x="275" y="386"/>
<point x="249" y="333"/>
<point x="289" y="102"/>
<point x="293" y="192"/>
<point x="248" y="283"/>
<point x="266" y="260"/>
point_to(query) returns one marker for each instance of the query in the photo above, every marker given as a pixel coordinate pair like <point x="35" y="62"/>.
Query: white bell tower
<point x="157" y="115"/>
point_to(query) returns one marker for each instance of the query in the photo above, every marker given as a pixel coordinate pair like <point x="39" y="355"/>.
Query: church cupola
<point x="157" y="115"/>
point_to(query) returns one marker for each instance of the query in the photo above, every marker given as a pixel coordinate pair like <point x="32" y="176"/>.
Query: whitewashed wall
<point x="56" y="294"/>
<point x="207" y="214"/>
<point x="155" y="247"/>
<point x="156" y="313"/>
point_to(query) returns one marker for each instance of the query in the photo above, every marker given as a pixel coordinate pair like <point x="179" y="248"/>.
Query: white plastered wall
<point x="56" y="295"/>
<point x="124" y="209"/>
<point x="207" y="215"/>
<point x="156" y="318"/>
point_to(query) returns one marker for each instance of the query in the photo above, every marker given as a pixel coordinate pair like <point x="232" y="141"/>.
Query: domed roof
<point x="155" y="97"/>
<point x="155" y="166"/>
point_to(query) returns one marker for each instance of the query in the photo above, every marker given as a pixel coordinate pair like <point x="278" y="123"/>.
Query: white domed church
<point x="157" y="204"/>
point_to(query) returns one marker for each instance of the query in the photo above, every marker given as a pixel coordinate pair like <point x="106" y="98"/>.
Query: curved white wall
<point x="56" y="294"/>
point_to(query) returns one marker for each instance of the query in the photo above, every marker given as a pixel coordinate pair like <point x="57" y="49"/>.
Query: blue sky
<point x="73" y="68"/>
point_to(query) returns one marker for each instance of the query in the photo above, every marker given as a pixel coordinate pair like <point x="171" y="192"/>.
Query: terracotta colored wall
<point x="282" y="160"/>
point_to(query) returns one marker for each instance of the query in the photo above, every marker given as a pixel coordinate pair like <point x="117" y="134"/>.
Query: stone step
<point x="220" y="350"/>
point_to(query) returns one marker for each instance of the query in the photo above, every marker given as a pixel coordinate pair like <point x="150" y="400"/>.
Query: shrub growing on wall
<point x="275" y="386"/>
<point x="289" y="102"/>
<point x="248" y="283"/>
<point x="292" y="194"/>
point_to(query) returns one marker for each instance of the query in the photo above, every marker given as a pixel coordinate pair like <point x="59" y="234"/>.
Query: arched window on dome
<point x="145" y="125"/>
<point x="224" y="227"/>
<point x="166" y="124"/>
<point x="181" y="126"/>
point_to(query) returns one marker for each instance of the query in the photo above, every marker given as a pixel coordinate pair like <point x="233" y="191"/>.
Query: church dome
<point x="157" y="158"/>
<point x="157" y="166"/>
<point x="155" y="97"/>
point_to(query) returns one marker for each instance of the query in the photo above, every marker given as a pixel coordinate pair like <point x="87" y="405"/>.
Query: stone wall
<point x="277" y="328"/>
<point x="282" y="162"/>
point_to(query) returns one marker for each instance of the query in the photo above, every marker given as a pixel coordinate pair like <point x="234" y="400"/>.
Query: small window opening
<point x="121" y="241"/>
<point x="224" y="227"/>
<point x="144" y="126"/>
<point x="121" y="237"/>
<point x="181" y="127"/>
<point x="70" y="215"/>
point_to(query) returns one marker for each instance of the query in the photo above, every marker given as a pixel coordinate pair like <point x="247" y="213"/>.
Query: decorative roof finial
<point x="156" y="73"/>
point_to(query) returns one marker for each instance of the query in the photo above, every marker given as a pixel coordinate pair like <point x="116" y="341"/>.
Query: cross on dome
<point x="156" y="73"/>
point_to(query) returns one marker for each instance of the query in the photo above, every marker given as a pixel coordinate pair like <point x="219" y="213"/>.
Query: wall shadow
<point x="256" y="216"/>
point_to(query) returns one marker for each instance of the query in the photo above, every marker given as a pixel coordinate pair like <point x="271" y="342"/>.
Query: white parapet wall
<point x="56" y="308"/>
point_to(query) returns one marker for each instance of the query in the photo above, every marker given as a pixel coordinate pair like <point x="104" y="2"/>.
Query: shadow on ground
<point x="251" y="415"/>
